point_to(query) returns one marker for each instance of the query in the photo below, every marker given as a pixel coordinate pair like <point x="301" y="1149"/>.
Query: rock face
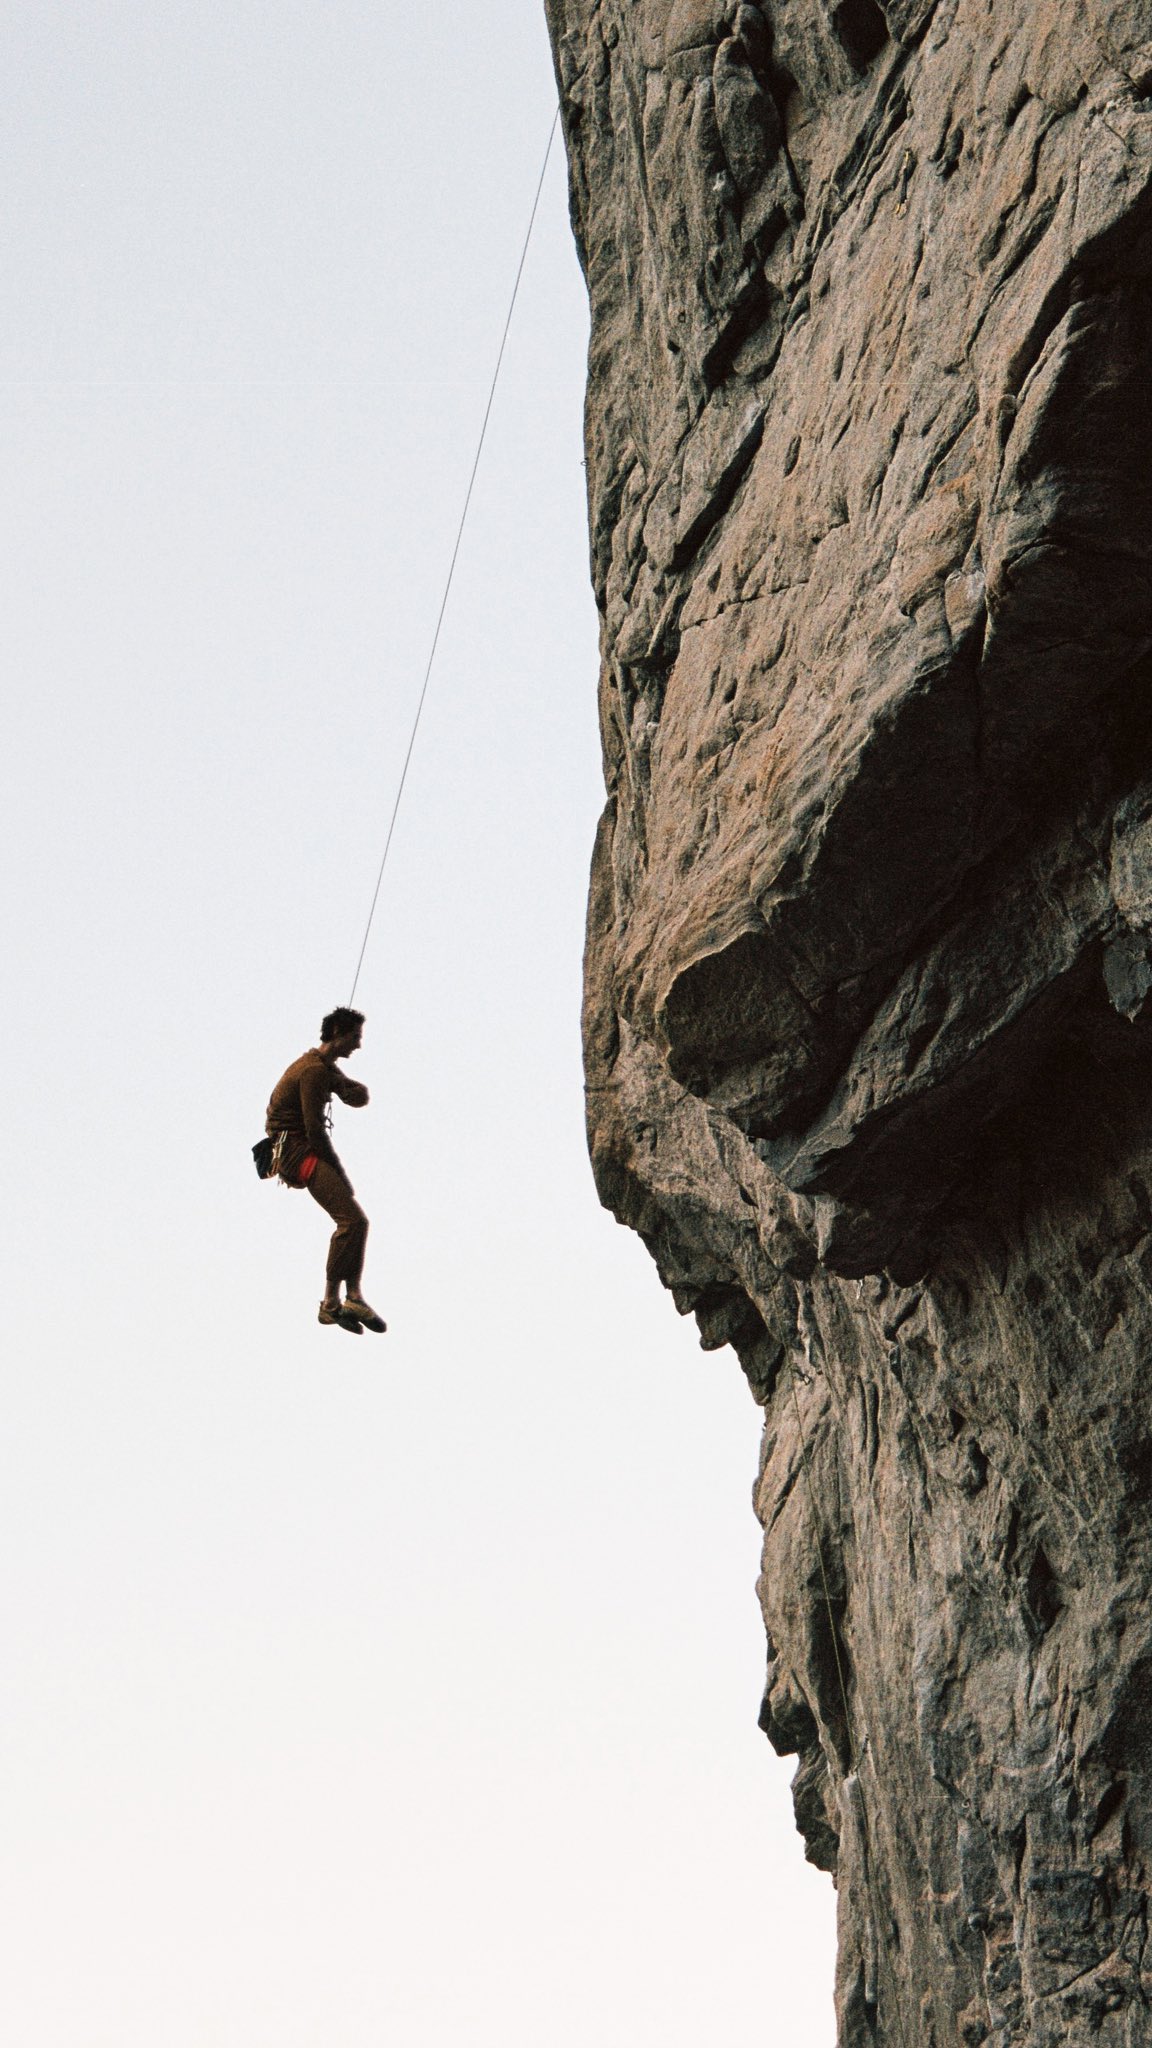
<point x="869" y="1049"/>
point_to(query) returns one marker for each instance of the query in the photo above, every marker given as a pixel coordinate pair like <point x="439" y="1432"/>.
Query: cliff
<point x="869" y="1054"/>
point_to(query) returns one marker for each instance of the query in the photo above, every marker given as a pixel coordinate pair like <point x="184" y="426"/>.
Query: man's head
<point x="341" y="1032"/>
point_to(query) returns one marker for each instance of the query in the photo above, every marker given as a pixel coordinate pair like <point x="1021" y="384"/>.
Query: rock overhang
<point x="868" y="1036"/>
<point x="855" y="596"/>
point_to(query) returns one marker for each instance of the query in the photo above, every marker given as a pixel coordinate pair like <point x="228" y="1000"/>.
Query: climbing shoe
<point x="340" y="1316"/>
<point x="364" y="1315"/>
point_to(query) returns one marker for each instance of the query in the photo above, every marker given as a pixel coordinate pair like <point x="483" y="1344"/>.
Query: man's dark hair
<point x="337" y="1022"/>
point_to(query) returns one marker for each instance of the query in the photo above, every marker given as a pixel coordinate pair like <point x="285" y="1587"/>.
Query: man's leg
<point x="346" y="1251"/>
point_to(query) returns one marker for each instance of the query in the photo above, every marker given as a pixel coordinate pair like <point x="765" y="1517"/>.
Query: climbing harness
<point x="456" y="548"/>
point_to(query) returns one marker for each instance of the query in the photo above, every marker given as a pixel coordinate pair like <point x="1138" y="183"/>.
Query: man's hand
<point x="356" y="1094"/>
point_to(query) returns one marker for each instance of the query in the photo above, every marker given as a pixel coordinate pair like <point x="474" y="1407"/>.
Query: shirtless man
<point x="298" y="1121"/>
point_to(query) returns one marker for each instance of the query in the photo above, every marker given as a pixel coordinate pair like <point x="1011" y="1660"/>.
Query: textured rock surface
<point x="868" y="1036"/>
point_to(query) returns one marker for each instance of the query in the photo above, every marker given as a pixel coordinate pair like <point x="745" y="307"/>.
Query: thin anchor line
<point x="455" y="550"/>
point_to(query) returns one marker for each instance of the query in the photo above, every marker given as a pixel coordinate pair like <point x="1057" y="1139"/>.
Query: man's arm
<point x="315" y="1088"/>
<point x="354" y="1093"/>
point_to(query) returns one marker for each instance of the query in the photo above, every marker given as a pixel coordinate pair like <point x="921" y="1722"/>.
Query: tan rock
<point x="870" y="940"/>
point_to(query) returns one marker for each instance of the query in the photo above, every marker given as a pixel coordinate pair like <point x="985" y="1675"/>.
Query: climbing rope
<point x="455" y="550"/>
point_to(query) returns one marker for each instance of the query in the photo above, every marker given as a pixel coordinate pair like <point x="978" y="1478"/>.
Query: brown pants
<point x="346" y="1251"/>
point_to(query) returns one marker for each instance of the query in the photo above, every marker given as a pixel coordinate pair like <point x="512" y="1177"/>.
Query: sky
<point x="364" y="1691"/>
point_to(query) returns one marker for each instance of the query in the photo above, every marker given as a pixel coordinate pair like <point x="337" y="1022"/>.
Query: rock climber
<point x="303" y="1155"/>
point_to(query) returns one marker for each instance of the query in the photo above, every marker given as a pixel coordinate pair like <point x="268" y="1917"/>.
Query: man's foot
<point x="356" y="1306"/>
<point x="337" y="1313"/>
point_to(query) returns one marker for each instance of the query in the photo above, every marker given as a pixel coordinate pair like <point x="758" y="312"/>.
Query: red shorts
<point x="307" y="1167"/>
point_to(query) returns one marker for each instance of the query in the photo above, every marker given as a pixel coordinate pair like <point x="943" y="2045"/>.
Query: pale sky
<point x="355" y="1692"/>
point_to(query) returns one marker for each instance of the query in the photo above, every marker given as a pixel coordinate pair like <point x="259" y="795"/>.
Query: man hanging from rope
<point x="298" y="1122"/>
